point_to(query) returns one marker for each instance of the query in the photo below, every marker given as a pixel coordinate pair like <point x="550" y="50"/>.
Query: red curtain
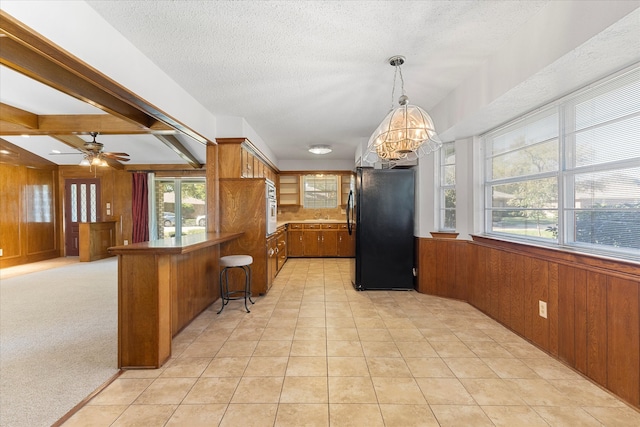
<point x="140" y="208"/>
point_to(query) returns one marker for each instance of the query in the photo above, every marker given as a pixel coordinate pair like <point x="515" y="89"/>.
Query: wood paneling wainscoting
<point x="29" y="223"/>
<point x="593" y="303"/>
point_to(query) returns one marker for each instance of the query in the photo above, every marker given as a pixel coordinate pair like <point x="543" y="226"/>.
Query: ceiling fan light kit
<point x="93" y="154"/>
<point x="406" y="133"/>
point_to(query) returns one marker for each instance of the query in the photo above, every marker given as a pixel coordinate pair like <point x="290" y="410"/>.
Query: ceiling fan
<point x="93" y="154"/>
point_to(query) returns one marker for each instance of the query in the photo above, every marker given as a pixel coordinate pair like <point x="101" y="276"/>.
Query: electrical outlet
<point x="542" y="309"/>
<point x="126" y="242"/>
<point x="0" y="252"/>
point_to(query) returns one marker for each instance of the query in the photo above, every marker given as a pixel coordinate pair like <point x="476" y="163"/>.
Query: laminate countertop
<point x="175" y="245"/>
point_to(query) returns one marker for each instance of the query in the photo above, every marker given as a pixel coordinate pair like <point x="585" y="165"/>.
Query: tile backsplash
<point x="298" y="213"/>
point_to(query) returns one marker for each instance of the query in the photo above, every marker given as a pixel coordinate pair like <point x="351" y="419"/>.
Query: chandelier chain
<point x="398" y="68"/>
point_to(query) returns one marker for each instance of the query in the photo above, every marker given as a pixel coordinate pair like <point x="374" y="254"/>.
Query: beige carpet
<point x="58" y="337"/>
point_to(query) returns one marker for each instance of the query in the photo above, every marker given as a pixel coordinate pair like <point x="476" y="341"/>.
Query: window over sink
<point x="320" y="191"/>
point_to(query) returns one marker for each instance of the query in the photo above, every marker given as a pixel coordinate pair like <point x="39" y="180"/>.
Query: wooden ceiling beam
<point x="19" y="117"/>
<point x="31" y="54"/>
<point x="174" y="143"/>
<point x="14" y="121"/>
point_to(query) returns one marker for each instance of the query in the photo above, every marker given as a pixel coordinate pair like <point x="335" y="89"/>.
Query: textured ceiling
<point x="305" y="72"/>
<point x="317" y="72"/>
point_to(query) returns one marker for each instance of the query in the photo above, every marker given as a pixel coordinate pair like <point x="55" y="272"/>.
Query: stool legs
<point x="226" y="295"/>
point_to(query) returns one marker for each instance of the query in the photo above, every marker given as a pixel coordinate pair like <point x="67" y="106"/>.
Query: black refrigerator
<point x="381" y="213"/>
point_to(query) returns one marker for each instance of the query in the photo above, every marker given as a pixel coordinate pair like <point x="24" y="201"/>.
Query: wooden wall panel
<point x="517" y="313"/>
<point x="593" y="306"/>
<point x="623" y="338"/>
<point x="461" y="279"/>
<point x="597" y="327"/>
<point x="580" y="299"/>
<point x="444" y="267"/>
<point x="482" y="286"/>
<point x="426" y="266"/>
<point x="40" y="212"/>
<point x="504" y="288"/>
<point x="11" y="200"/>
<point x="566" y="315"/>
<point x="552" y="308"/>
<point x="196" y="285"/>
<point x="493" y="277"/>
<point x="536" y="327"/>
<point x="474" y="276"/>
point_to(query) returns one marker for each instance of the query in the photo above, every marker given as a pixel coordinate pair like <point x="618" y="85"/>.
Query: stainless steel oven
<point x="272" y="207"/>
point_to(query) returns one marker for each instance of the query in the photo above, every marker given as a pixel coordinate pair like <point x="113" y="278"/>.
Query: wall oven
<point x="272" y="207"/>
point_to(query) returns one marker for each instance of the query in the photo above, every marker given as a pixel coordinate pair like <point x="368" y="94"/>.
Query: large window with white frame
<point x="447" y="193"/>
<point x="569" y="174"/>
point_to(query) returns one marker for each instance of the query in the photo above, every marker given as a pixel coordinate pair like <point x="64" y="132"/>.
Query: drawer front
<point x="330" y="226"/>
<point x="312" y="226"/>
<point x="343" y="227"/>
<point x="295" y="226"/>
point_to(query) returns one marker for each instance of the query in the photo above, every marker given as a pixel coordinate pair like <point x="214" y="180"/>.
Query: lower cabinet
<point x="281" y="248"/>
<point x="272" y="260"/>
<point x="346" y="242"/>
<point x="320" y="240"/>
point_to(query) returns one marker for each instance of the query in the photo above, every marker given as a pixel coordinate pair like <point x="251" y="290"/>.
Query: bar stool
<point x="235" y="261"/>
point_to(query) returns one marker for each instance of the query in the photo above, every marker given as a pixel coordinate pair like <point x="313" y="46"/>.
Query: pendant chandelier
<point x="407" y="132"/>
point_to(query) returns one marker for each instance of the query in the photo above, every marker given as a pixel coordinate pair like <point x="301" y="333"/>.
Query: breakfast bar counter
<point x="162" y="286"/>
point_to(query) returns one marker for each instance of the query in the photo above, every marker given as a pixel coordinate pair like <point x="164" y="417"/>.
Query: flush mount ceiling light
<point x="407" y="132"/>
<point x="320" y="149"/>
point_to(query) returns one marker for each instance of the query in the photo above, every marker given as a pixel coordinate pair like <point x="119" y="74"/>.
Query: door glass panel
<point x="93" y="202"/>
<point x="74" y="203"/>
<point x="83" y="202"/>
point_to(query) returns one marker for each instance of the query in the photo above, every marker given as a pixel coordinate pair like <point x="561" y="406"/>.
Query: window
<point x="320" y="191"/>
<point x="179" y="207"/>
<point x="448" y="187"/>
<point x="570" y="173"/>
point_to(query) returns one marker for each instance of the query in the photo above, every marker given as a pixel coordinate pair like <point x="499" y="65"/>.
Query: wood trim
<point x="86" y="400"/>
<point x="619" y="267"/>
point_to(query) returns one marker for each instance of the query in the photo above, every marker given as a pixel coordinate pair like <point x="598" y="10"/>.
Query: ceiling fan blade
<point x="112" y="156"/>
<point x="115" y="154"/>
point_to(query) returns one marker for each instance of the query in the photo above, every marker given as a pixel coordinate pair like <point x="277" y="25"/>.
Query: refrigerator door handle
<point x="349" y="201"/>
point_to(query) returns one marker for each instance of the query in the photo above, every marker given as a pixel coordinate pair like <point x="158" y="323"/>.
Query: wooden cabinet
<point x="294" y="240"/>
<point x="289" y="194"/>
<point x="235" y="196"/>
<point x="346" y="241"/>
<point x="311" y="240"/>
<point x="320" y="240"/>
<point x="238" y="158"/>
<point x="272" y="260"/>
<point x="281" y="247"/>
<point x="346" y="184"/>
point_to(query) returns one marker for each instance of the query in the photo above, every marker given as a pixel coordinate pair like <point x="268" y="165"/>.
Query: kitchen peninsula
<point x="162" y="286"/>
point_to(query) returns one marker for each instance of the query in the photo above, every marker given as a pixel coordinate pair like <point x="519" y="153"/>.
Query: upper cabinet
<point x="238" y="158"/>
<point x="346" y="184"/>
<point x="289" y="193"/>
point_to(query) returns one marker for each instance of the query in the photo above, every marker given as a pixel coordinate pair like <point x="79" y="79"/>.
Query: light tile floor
<point x="315" y="352"/>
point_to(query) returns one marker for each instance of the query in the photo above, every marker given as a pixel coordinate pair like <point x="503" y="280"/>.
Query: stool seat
<point x="236" y="260"/>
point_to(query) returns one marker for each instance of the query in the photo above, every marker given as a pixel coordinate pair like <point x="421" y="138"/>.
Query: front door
<point x="82" y="204"/>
